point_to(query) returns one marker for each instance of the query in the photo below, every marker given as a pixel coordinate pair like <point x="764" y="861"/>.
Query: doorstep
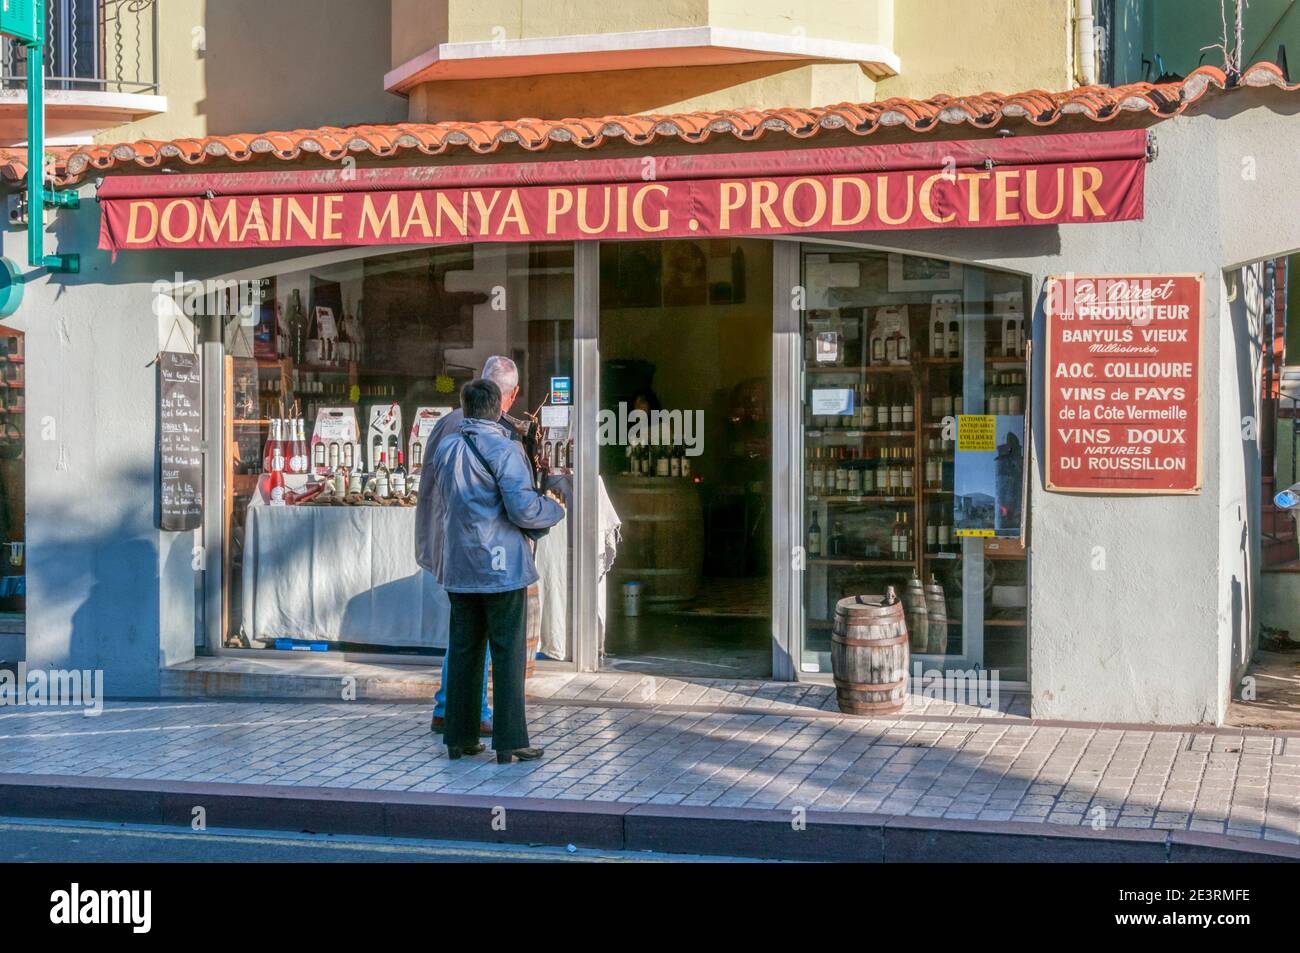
<point x="311" y="676"/>
<point x="303" y="677"/>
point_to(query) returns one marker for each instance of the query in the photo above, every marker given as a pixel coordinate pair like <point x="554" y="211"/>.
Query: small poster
<point x="988" y="484"/>
<point x="555" y="417"/>
<point x="828" y="347"/>
<point x="561" y="390"/>
<point x="832" y="401"/>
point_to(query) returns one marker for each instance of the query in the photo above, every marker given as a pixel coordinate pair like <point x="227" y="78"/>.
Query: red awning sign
<point x="1096" y="177"/>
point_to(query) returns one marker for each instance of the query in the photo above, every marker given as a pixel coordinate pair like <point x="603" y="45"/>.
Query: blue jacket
<point x="469" y="535"/>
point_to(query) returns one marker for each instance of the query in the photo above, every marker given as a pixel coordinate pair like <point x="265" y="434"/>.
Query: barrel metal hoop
<point x="862" y="687"/>
<point x="869" y="643"/>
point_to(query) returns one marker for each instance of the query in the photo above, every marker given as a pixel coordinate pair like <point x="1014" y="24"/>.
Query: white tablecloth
<point x="339" y="573"/>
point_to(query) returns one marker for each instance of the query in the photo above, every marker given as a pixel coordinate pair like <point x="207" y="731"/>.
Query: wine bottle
<point x="398" y="478"/>
<point x="382" y="485"/>
<point x="814" y="537"/>
<point x="275" y="483"/>
<point x="272" y="440"/>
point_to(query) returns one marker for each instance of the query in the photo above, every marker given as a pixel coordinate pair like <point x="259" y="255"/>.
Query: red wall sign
<point x="1123" y="383"/>
<point x="1064" y="179"/>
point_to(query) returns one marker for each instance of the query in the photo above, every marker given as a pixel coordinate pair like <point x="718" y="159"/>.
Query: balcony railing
<point x="106" y="46"/>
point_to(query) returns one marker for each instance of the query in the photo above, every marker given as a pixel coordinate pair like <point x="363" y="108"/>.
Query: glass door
<point x="899" y="354"/>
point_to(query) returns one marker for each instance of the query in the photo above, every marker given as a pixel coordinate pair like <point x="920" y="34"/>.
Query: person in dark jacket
<point x="484" y="497"/>
<point x="505" y="374"/>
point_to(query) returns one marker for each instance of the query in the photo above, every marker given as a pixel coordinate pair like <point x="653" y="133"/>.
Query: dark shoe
<point x="523" y="754"/>
<point x="453" y="752"/>
<point x="485" y="728"/>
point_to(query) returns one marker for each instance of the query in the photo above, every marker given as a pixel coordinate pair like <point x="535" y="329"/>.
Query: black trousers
<point x="477" y="619"/>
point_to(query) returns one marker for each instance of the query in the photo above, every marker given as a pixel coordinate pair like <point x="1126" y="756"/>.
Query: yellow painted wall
<point x="419" y="25"/>
<point x="268" y="65"/>
<point x="946" y="46"/>
<point x="962" y="47"/>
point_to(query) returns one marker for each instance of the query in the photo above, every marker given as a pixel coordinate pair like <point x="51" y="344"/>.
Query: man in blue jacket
<point x="478" y="553"/>
<point x="502" y="372"/>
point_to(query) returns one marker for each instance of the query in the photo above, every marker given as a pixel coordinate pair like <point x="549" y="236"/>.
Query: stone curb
<point x="743" y="832"/>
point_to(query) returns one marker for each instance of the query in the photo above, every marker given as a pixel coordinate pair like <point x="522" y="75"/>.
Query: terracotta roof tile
<point x="982" y="111"/>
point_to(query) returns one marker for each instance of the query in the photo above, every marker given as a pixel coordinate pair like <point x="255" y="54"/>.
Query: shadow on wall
<point x="325" y="65"/>
<point x="101" y="576"/>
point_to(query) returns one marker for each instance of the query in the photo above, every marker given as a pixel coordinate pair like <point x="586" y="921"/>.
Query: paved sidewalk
<point x="776" y="747"/>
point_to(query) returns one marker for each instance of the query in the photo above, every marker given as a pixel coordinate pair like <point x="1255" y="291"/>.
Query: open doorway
<point x="685" y="454"/>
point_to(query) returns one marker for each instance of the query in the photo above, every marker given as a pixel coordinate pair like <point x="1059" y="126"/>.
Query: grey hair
<point x="502" y="372"/>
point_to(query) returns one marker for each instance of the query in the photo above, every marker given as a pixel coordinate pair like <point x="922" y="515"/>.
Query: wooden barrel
<point x="532" y="629"/>
<point x="918" y="628"/>
<point x="663" y="539"/>
<point x="936" y="611"/>
<point x="869" y="655"/>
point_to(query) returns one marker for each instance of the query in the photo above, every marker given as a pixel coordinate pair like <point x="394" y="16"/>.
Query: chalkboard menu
<point x="180" y="441"/>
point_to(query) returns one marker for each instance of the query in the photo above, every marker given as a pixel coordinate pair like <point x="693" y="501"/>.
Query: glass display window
<point x="915" y="386"/>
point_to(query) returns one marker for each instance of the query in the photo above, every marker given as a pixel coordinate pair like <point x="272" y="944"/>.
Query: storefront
<point x="843" y="344"/>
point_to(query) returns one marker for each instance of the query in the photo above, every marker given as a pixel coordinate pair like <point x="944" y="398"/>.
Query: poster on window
<point x="1123" y="370"/>
<point x="988" y="486"/>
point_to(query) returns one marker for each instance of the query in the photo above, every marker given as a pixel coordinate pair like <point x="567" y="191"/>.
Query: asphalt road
<point x="39" y="841"/>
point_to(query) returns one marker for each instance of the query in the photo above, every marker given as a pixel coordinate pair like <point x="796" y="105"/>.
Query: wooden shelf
<point x="858" y="432"/>
<point x="858" y="369"/>
<point x="841" y="561"/>
<point x="865" y="498"/>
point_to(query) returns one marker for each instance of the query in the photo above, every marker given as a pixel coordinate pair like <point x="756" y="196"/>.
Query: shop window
<point x="349" y="366"/>
<point x="915" y="390"/>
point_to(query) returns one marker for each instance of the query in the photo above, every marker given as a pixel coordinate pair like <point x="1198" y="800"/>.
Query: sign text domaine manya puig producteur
<point x="1123" y="383"/>
<point x="1038" y="194"/>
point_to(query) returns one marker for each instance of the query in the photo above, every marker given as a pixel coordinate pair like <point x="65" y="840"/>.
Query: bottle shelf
<point x="861" y="498"/>
<point x="859" y="432"/>
<point x="845" y="561"/>
<point x="858" y="368"/>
